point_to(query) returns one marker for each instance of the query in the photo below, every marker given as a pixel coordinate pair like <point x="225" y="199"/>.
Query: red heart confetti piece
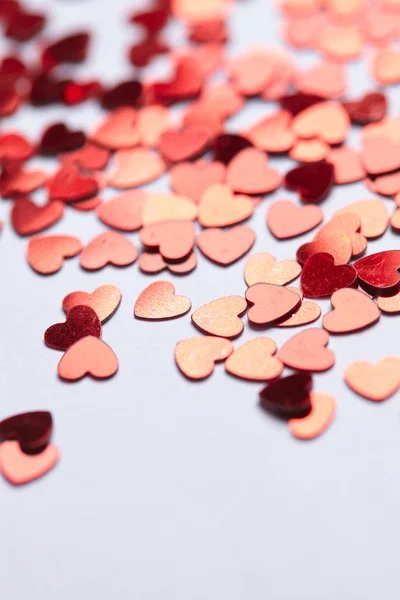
<point x="158" y="301"/>
<point x="380" y="271"/>
<point x="286" y="220"/>
<point x="81" y="321"/>
<point x="321" y="277"/>
<point x="226" y="247"/>
<point x="306" y="351"/>
<point x="196" y="356"/>
<point x="123" y="211"/>
<point x="32" y="430"/>
<point x="221" y="317"/>
<point x="254" y="360"/>
<point x="352" y="310"/>
<point x="28" y="218"/>
<point x="312" y="181"/>
<point x="108" y="248"/>
<point x="46" y="253"/>
<point x="289" y="396"/>
<point x="272" y="303"/>
<point x="88" y="356"/>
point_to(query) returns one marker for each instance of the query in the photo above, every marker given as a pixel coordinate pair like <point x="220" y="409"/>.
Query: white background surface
<point x="172" y="490"/>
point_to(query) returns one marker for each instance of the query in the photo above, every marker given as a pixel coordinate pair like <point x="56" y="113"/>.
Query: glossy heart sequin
<point x="108" y="248"/>
<point x="123" y="211"/>
<point x="46" y="253"/>
<point x="226" y="247"/>
<point x="28" y="218"/>
<point x="288" y="396"/>
<point x="312" y="181"/>
<point x="321" y="277"/>
<point x="81" y="321"/>
<point x="219" y="207"/>
<point x="326" y="120"/>
<point x="272" y="303"/>
<point x="135" y="167"/>
<point x="375" y="382"/>
<point x="221" y="317"/>
<point x="248" y="173"/>
<point x="31" y="429"/>
<point x="306" y="351"/>
<point x="167" y="207"/>
<point x="352" y="310"/>
<point x="379" y="271"/>
<point x="196" y="356"/>
<point x="369" y="109"/>
<point x="262" y="267"/>
<point x="88" y="356"/>
<point x="158" y="301"/>
<point x="254" y="360"/>
<point x="286" y="220"/>
<point x="177" y="146"/>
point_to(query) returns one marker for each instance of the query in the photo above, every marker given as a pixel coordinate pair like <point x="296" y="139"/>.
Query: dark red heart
<point x="70" y="186"/>
<point x="127" y="93"/>
<point x="312" y="181"/>
<point x="28" y="218"/>
<point x="58" y="138"/>
<point x="142" y="53"/>
<point x="296" y="103"/>
<point x="81" y="321"/>
<point x="70" y="49"/>
<point x="379" y="271"/>
<point x="186" y="83"/>
<point x="8" y="10"/>
<point x="152" y="20"/>
<point x="227" y="145"/>
<point x="76" y="93"/>
<point x="11" y="70"/>
<point x="31" y="429"/>
<point x="288" y="397"/>
<point x="369" y="109"/>
<point x="24" y="26"/>
<point x="47" y="90"/>
<point x="321" y="277"/>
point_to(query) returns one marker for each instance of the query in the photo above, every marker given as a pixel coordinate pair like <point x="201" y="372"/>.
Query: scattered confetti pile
<point x="217" y="180"/>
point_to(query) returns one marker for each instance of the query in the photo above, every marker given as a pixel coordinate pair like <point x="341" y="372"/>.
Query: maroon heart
<point x="369" y="109"/>
<point x="24" y="26"/>
<point x="312" y="181"/>
<point x="379" y="271"/>
<point x="127" y="93"/>
<point x="58" y="138"/>
<point x="11" y="70"/>
<point x="47" y="90"/>
<point x="288" y="397"/>
<point x="31" y="429"/>
<point x="321" y="277"/>
<point x="141" y="54"/>
<point x="81" y="321"/>
<point x="296" y="103"/>
<point x="227" y="145"/>
<point x="70" y="186"/>
<point x="152" y="20"/>
<point x="70" y="49"/>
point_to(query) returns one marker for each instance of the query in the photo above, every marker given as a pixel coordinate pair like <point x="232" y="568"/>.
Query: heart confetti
<point x="158" y="301"/>
<point x="254" y="360"/>
<point x="196" y="356"/>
